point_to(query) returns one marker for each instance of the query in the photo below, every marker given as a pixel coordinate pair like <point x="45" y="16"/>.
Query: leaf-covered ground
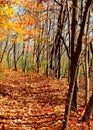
<point x="31" y="102"/>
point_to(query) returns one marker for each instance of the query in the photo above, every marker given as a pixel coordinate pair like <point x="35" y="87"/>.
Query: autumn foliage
<point x="45" y="46"/>
<point x="35" y="102"/>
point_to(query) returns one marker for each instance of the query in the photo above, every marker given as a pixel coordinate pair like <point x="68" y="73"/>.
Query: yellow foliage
<point x="2" y="37"/>
<point x="8" y="11"/>
<point x="10" y="21"/>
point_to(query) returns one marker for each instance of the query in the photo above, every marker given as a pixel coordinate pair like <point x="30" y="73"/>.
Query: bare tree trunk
<point x="14" y="52"/>
<point x="56" y="47"/>
<point x="23" y="47"/>
<point x="87" y="63"/>
<point x="38" y="57"/>
<point x="8" y="57"/>
<point x="86" y="75"/>
<point x="76" y="86"/>
<point x="70" y="93"/>
<point x="48" y="58"/>
<point x="91" y="60"/>
<point x="24" y="57"/>
<point x="74" y="61"/>
<point x="59" y="58"/>
<point x="88" y="110"/>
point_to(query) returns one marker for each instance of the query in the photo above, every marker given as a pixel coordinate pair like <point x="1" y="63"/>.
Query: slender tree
<point x="75" y="53"/>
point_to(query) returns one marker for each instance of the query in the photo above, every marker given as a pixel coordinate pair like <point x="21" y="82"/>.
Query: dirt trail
<point x="30" y="102"/>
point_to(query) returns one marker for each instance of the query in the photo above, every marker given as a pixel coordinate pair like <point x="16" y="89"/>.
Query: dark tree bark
<point x="56" y="47"/>
<point x="88" y="110"/>
<point x="14" y="52"/>
<point x="59" y="58"/>
<point x="24" y="55"/>
<point x="38" y="57"/>
<point x="74" y="62"/>
<point x="74" y="99"/>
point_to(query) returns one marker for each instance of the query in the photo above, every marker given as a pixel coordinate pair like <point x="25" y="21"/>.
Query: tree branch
<point x="58" y="3"/>
<point x="65" y="47"/>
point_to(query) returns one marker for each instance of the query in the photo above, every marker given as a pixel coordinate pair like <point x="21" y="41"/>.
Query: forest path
<point x="31" y="102"/>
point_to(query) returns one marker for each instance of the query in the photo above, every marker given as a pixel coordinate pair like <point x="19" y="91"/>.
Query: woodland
<point x="46" y="64"/>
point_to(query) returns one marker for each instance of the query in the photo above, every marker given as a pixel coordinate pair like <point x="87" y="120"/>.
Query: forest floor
<point x="34" y="102"/>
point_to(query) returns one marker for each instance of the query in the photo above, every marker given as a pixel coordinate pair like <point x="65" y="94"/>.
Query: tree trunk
<point x="25" y="57"/>
<point x="88" y="110"/>
<point x="70" y="93"/>
<point x="38" y="57"/>
<point x="86" y="75"/>
<point x="9" y="57"/>
<point x="74" y="99"/>
<point x="14" y="51"/>
<point x="74" y="60"/>
<point x="87" y="63"/>
<point x="91" y="60"/>
<point x="59" y="58"/>
<point x="48" y="58"/>
<point x="56" y="47"/>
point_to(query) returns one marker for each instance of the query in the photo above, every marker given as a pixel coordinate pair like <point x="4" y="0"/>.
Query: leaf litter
<point x="34" y="102"/>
